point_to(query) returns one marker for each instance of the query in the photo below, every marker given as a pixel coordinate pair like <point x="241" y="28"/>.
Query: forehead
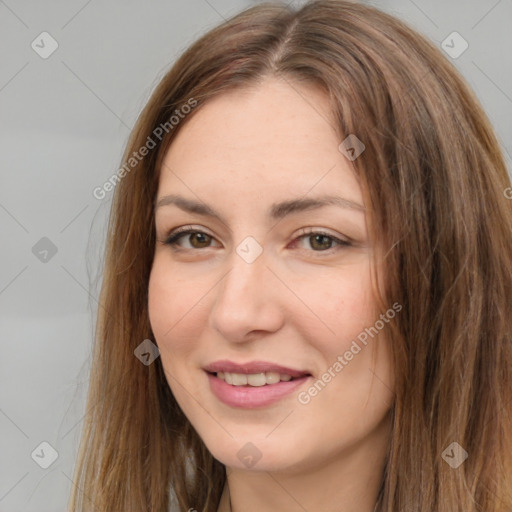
<point x="274" y="138"/>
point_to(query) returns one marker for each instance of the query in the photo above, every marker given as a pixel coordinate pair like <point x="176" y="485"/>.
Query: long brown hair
<point x="434" y="177"/>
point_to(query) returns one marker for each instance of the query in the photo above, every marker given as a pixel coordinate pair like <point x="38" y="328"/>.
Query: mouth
<point x="254" y="384"/>
<point x="255" y="373"/>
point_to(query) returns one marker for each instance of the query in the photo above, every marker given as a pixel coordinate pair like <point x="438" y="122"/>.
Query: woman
<point x="308" y="281"/>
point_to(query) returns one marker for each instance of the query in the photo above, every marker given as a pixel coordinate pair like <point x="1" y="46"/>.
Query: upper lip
<point x="253" y="367"/>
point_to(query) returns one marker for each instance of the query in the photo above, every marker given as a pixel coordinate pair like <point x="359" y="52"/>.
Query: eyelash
<point x="179" y="233"/>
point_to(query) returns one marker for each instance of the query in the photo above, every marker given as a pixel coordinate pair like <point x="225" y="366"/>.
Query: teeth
<point x="253" y="379"/>
<point x="256" y="379"/>
<point x="239" y="379"/>
<point x="272" y="378"/>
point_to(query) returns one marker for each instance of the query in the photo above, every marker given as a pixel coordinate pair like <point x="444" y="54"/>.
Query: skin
<point x="300" y="304"/>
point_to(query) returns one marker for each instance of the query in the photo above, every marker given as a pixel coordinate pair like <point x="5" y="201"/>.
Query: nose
<point x="247" y="300"/>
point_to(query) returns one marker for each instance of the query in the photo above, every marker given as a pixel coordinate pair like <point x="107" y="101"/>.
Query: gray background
<point x="64" y="121"/>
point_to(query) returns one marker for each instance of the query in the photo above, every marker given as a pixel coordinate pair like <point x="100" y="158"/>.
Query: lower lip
<point x="251" y="397"/>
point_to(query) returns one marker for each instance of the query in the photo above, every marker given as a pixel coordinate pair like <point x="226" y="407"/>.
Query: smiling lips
<point x="254" y="384"/>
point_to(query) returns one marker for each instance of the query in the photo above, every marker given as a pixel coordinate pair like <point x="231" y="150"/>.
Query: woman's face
<point x="270" y="292"/>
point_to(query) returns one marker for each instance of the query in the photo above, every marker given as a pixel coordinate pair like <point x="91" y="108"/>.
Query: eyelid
<point x="188" y="227"/>
<point x="323" y="231"/>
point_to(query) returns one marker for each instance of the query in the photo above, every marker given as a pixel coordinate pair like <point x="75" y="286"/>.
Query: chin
<point x="256" y="453"/>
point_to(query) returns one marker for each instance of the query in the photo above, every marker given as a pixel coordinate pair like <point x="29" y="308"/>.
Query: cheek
<point x="342" y="304"/>
<point x="172" y="302"/>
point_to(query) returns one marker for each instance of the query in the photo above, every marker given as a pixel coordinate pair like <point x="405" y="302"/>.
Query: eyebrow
<point x="277" y="210"/>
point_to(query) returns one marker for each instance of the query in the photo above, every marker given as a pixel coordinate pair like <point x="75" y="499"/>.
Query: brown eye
<point x="196" y="239"/>
<point x="323" y="242"/>
<point x="199" y="240"/>
<point x="320" y="242"/>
